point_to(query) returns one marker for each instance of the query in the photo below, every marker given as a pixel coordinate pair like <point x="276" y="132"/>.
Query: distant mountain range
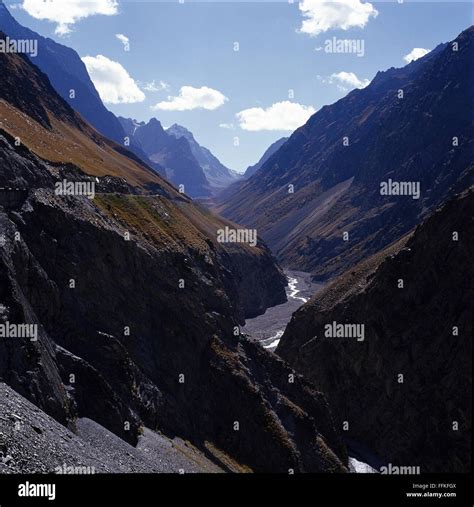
<point x="179" y="158"/>
<point x="318" y="201"/>
<point x="172" y="154"/>
<point x="217" y="175"/>
<point x="195" y="167"/>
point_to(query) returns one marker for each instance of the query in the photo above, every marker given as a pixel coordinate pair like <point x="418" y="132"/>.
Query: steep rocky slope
<point x="32" y="442"/>
<point x="409" y="331"/>
<point x="136" y="302"/>
<point x="413" y="124"/>
<point x="32" y="112"/>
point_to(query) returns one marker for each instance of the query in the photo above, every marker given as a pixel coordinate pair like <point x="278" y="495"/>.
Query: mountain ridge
<point x="273" y="148"/>
<point x="217" y="174"/>
<point x="337" y="186"/>
<point x="173" y="154"/>
<point x="66" y="71"/>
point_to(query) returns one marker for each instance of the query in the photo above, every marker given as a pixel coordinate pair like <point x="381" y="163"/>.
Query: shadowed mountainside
<point x="33" y="442"/>
<point x="136" y="302"/>
<point x="66" y="72"/>
<point x="413" y="124"/>
<point x="422" y="331"/>
<point x="32" y="112"/>
<point x="273" y="148"/>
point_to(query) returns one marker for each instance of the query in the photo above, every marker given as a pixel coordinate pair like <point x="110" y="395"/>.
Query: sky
<point x="239" y="75"/>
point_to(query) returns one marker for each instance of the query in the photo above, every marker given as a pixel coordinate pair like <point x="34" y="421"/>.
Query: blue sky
<point x="192" y="45"/>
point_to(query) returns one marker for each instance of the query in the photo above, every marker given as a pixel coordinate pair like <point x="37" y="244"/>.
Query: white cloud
<point x="193" y="98"/>
<point x="345" y="80"/>
<point x="123" y="39"/>
<point x="416" y="53"/>
<point x="323" y="15"/>
<point x="154" y="86"/>
<point x="66" y="13"/>
<point x="113" y="82"/>
<point x="228" y="126"/>
<point x="284" y="115"/>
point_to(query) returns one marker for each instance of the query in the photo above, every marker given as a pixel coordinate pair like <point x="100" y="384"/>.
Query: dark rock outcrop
<point x="422" y="331"/>
<point x="133" y="379"/>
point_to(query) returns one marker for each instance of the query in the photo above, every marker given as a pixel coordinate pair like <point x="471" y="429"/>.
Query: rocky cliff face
<point x="409" y="125"/>
<point x="406" y="388"/>
<point x="137" y="304"/>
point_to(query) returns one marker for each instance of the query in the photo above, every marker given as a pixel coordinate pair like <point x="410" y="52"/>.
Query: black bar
<point x="241" y="489"/>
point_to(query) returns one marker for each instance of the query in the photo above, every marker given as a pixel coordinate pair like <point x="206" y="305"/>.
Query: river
<point x="269" y="327"/>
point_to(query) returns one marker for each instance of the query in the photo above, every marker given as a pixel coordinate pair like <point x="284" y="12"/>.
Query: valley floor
<point x="269" y="327"/>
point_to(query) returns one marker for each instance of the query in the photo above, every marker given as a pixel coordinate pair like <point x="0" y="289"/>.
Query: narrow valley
<point x="269" y="327"/>
<point x="231" y="250"/>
